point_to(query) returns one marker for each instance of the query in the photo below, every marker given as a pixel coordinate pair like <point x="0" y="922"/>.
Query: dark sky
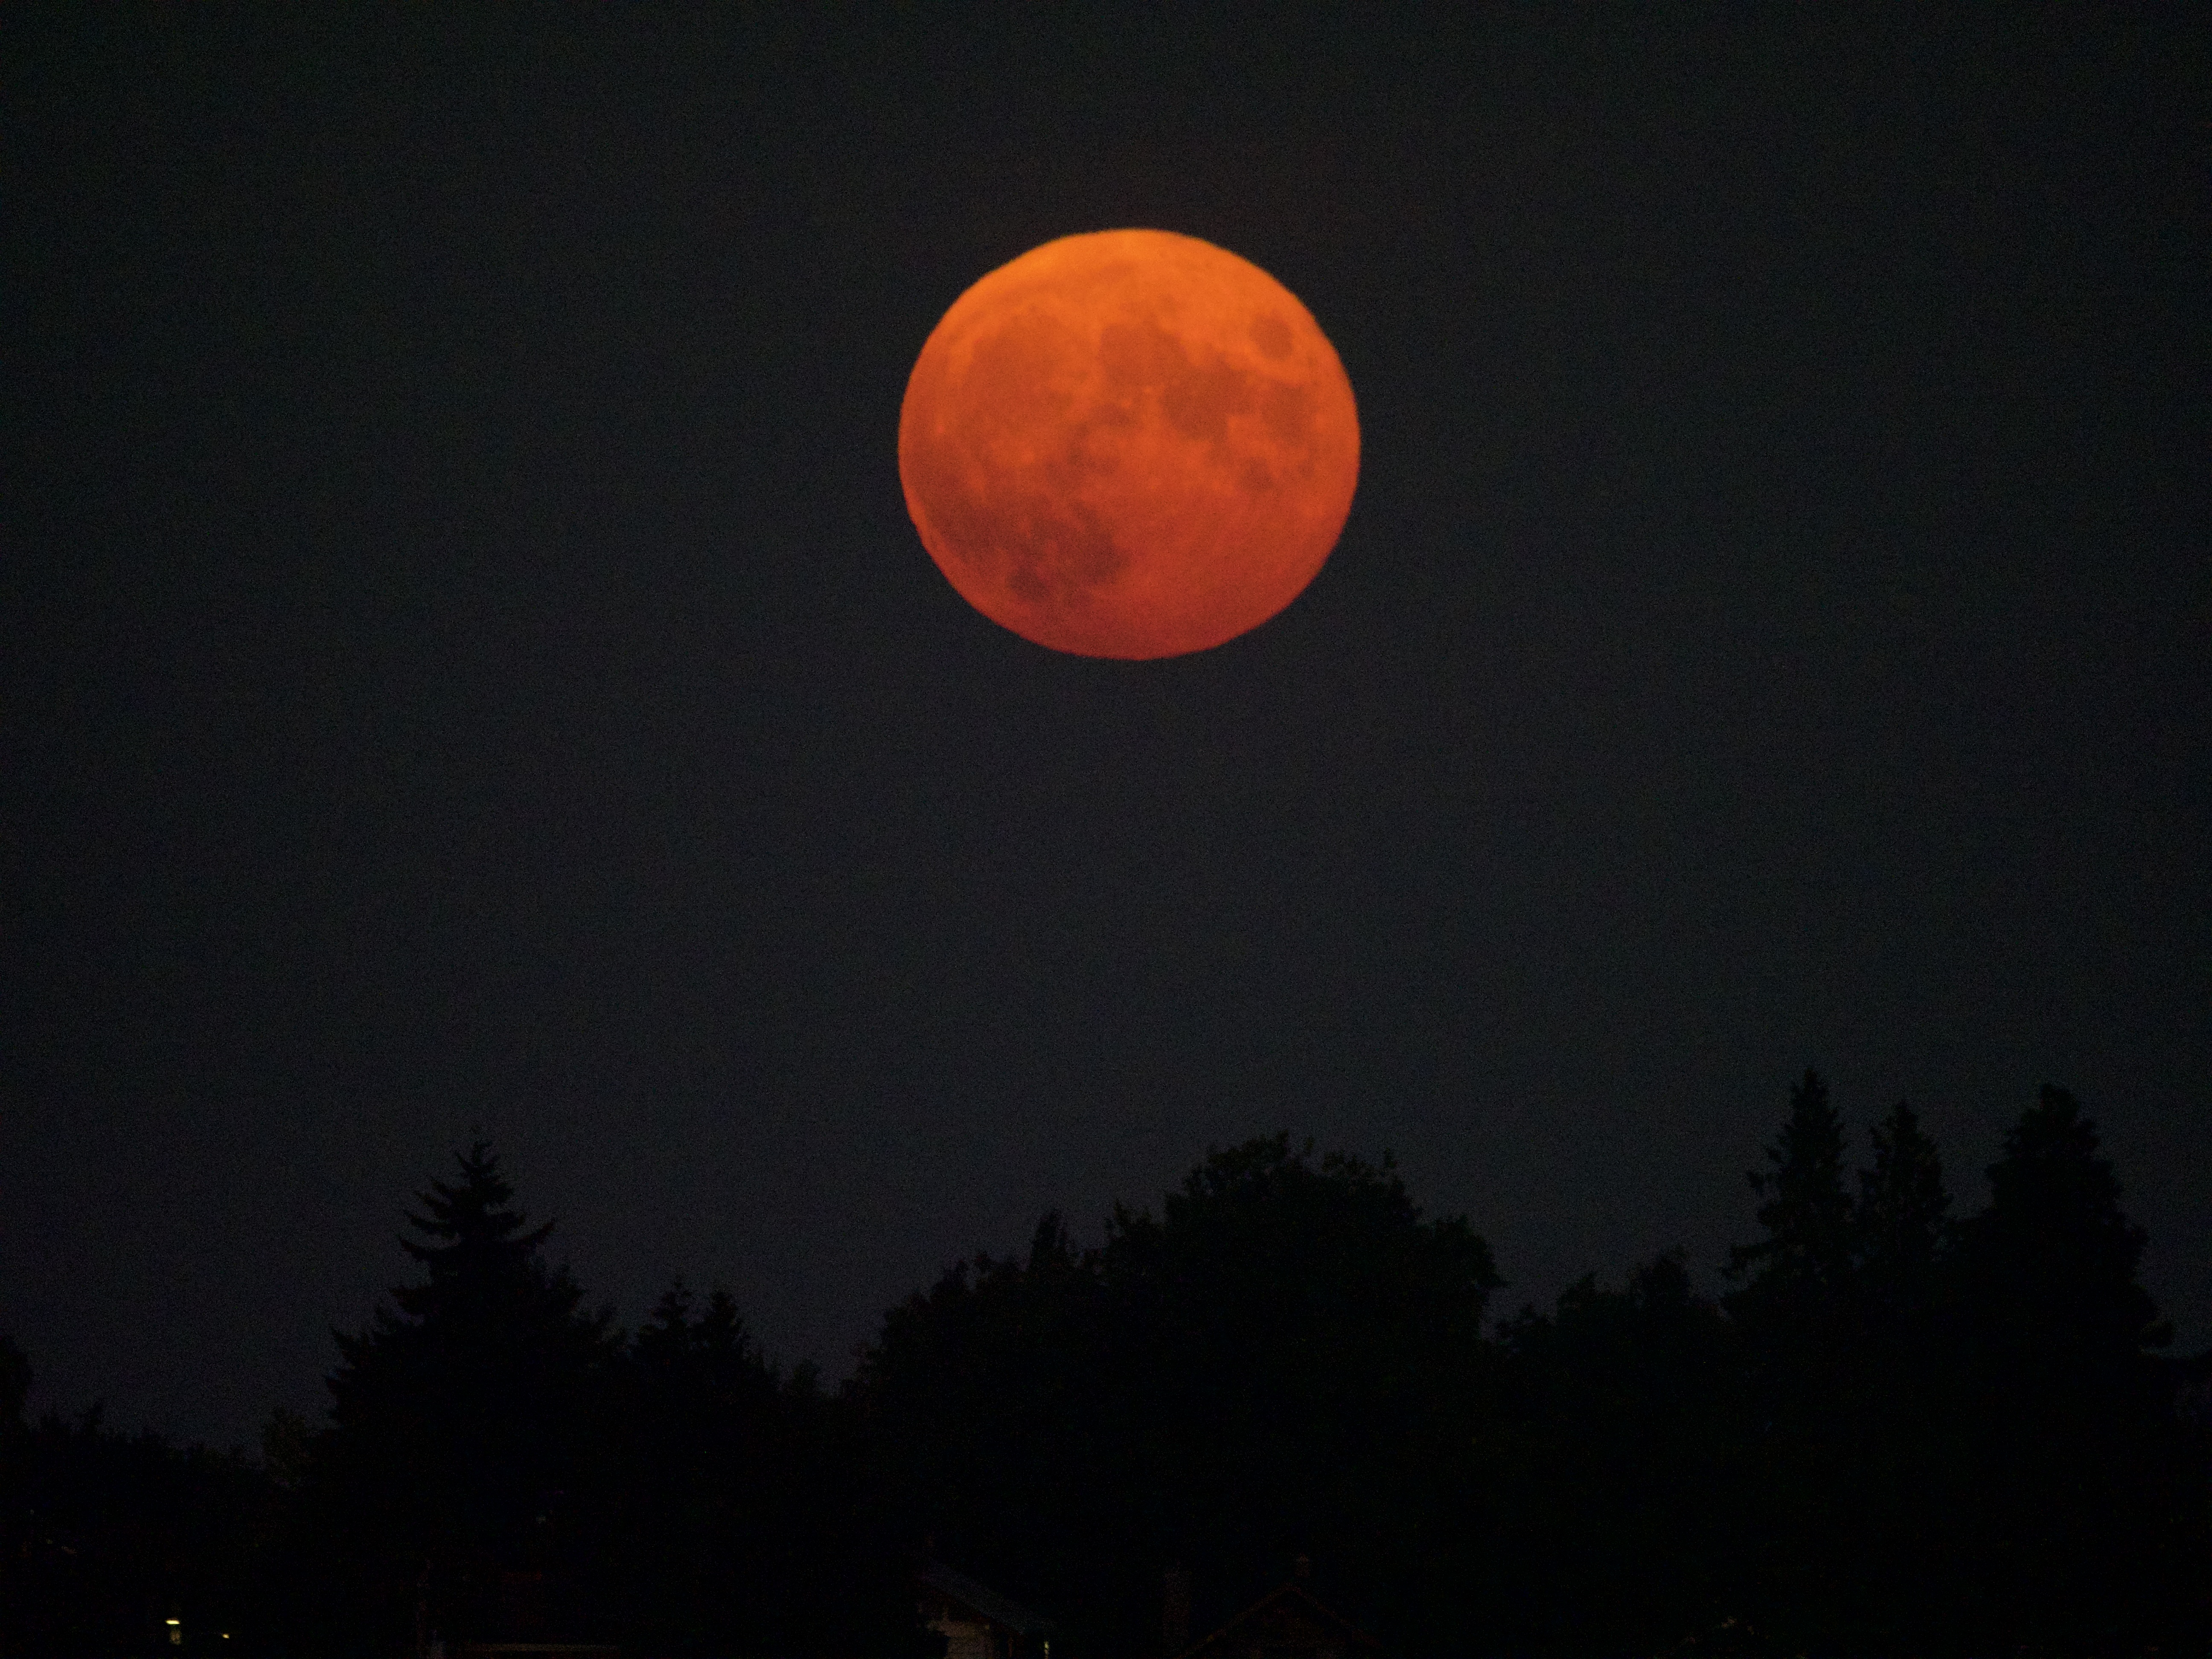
<point x="467" y="660"/>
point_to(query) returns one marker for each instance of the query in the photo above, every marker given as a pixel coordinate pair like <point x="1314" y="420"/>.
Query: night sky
<point x="466" y="662"/>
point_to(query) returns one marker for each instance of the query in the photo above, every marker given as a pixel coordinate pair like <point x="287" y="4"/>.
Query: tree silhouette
<point x="1896" y="1400"/>
<point x="695" y="1439"/>
<point x="2053" y="1258"/>
<point x="1795" y="1313"/>
<point x="1901" y="1220"/>
<point x="1284" y="1360"/>
<point x="1895" y="1434"/>
<point x="2092" y="1493"/>
<point x="461" y="1419"/>
<point x="1805" y="1258"/>
<point x="1308" y="1349"/>
<point x="107" y="1536"/>
<point x="1614" y="1456"/>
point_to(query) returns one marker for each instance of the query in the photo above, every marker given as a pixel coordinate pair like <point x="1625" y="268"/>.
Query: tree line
<point x="1896" y="1431"/>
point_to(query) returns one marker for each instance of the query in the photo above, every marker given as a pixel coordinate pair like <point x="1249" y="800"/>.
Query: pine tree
<point x="698" y="1420"/>
<point x="1805" y="1259"/>
<point x="1899" y="1414"/>
<point x="2053" y="1257"/>
<point x="1796" y="1315"/>
<point x="2090" y="1527"/>
<point x="486" y="1252"/>
<point x="464" y="1417"/>
<point x="1902" y="1218"/>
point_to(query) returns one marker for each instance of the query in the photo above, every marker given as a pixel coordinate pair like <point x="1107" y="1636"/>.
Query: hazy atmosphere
<point x="469" y="666"/>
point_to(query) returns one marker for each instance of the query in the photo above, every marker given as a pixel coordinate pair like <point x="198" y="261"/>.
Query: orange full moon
<point x="1128" y="444"/>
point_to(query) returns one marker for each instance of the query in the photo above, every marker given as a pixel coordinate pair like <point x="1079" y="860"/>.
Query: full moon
<point x="1128" y="444"/>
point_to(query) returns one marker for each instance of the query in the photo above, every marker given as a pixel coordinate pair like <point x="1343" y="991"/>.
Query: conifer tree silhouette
<point x="1795" y="1315"/>
<point x="1898" y="1414"/>
<point x="1804" y="1257"/>
<point x="2087" y="1484"/>
<point x="462" y="1417"/>
<point x="1902" y="1217"/>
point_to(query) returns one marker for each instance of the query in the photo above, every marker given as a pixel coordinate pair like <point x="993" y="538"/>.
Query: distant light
<point x="172" y="1621"/>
